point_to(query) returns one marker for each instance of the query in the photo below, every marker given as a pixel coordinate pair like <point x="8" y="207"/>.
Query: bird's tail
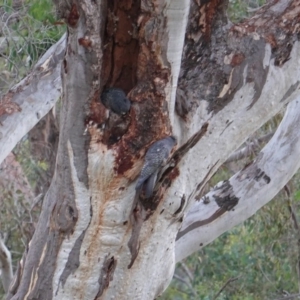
<point x="149" y="186"/>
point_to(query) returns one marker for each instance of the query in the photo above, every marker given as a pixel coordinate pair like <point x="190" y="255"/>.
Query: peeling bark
<point x="106" y="275"/>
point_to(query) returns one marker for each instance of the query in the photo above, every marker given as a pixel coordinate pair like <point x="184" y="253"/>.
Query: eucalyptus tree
<point x="190" y="73"/>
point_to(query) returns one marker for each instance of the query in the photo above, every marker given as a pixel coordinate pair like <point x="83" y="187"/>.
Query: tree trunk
<point x="188" y="72"/>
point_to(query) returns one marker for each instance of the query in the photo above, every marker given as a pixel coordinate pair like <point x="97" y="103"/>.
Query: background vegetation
<point x="27" y="30"/>
<point x="258" y="259"/>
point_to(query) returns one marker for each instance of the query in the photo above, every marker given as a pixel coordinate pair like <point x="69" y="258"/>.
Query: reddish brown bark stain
<point x="270" y="38"/>
<point x="121" y="45"/>
<point x="124" y="163"/>
<point x="97" y="110"/>
<point x="73" y="16"/>
<point x="174" y="174"/>
<point x="7" y="106"/>
<point x="237" y="59"/>
<point x="210" y="10"/>
<point x="85" y="42"/>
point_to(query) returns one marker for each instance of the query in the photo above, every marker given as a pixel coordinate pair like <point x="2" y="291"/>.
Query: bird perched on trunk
<point x="156" y="157"/>
<point x="115" y="99"/>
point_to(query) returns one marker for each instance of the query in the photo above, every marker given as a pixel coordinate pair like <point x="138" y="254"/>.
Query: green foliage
<point x="41" y="10"/>
<point x="29" y="30"/>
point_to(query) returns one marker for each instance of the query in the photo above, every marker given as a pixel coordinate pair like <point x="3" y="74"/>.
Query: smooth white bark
<point x="177" y="15"/>
<point x="279" y="160"/>
<point x="36" y="94"/>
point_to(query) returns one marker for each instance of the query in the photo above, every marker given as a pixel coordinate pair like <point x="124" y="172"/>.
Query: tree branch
<point x="249" y="148"/>
<point x="23" y="106"/>
<point x="224" y="286"/>
<point x="252" y="187"/>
